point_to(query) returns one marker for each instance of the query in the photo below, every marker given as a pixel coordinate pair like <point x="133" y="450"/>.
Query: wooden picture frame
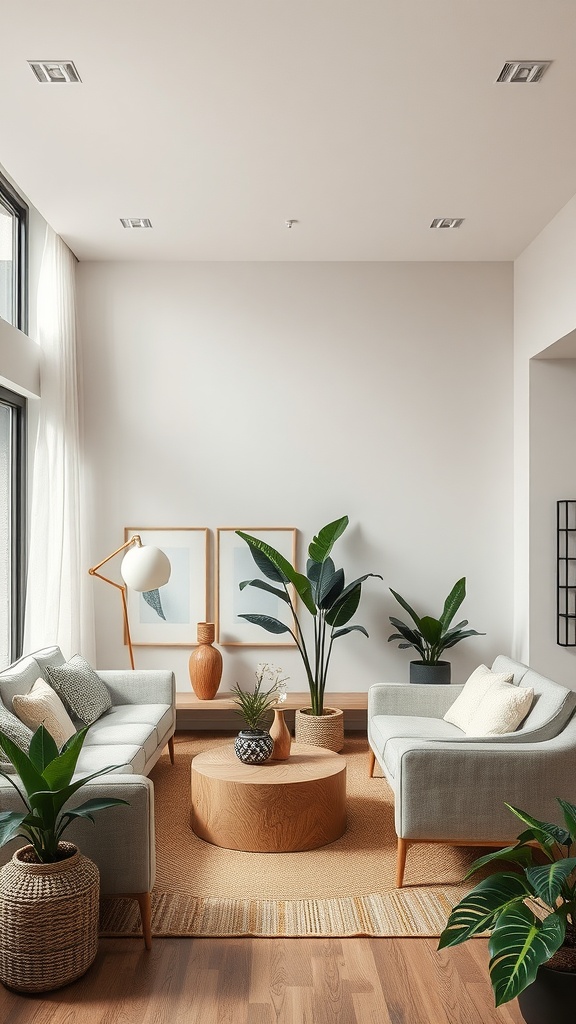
<point x="184" y="599"/>
<point x="234" y="563"/>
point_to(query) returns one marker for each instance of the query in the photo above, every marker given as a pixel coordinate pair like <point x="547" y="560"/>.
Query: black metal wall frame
<point x="566" y="572"/>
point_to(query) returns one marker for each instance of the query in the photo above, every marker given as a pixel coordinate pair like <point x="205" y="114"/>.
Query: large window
<point x="13" y="232"/>
<point x="12" y="519"/>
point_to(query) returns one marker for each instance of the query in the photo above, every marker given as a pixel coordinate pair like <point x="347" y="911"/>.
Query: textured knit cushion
<point x="41" y="706"/>
<point x="501" y="710"/>
<point x="83" y="692"/>
<point x="16" y="731"/>
<point x="474" y="690"/>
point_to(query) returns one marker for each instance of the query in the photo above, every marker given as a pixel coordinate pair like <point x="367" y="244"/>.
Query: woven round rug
<point x="346" y="888"/>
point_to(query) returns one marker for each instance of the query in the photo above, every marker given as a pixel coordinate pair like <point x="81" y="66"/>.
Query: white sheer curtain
<point x="59" y="597"/>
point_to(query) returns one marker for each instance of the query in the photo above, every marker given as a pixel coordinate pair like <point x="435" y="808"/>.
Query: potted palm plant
<point x="330" y="602"/>
<point x="254" y="745"/>
<point x="431" y="637"/>
<point x="49" y="891"/>
<point x="530" y="912"/>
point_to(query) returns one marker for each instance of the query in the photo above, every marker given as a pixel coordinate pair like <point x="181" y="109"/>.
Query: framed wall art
<point x="170" y="619"/>
<point x="234" y="563"/>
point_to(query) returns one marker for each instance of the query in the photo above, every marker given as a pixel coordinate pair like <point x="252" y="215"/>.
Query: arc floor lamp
<point x="143" y="568"/>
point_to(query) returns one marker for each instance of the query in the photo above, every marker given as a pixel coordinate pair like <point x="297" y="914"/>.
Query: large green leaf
<point x="343" y="610"/>
<point x="268" y="623"/>
<point x="334" y="592"/>
<point x="267" y="566"/>
<point x="10" y="822"/>
<point x="569" y="812"/>
<point x="31" y="777"/>
<point x="514" y="854"/>
<point x="476" y="912"/>
<point x="262" y="585"/>
<point x="43" y="749"/>
<point x="518" y="946"/>
<point x="410" y="635"/>
<point x="431" y="629"/>
<point x="321" y="545"/>
<point x="349" y="629"/>
<point x="333" y="617"/>
<point x="545" y="832"/>
<point x="461" y="635"/>
<point x="453" y="602"/>
<point x="60" y="797"/>
<point x="406" y="608"/>
<point x="547" y="879"/>
<point x="300" y="583"/>
<point x="60" y="771"/>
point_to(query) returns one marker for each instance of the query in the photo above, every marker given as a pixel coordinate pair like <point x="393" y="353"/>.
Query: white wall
<point x="544" y="313"/>
<point x="552" y="477"/>
<point x="290" y="394"/>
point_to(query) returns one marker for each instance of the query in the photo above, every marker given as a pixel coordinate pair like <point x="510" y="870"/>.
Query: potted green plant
<point x="431" y="637"/>
<point x="330" y="602"/>
<point x="254" y="745"/>
<point x="530" y="912"/>
<point x="49" y="892"/>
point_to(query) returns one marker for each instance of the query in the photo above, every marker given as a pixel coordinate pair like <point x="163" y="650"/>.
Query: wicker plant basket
<point x="48" y="920"/>
<point x="326" y="730"/>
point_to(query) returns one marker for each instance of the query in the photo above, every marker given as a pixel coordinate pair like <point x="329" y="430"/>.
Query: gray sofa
<point x="451" y="787"/>
<point x="132" y="735"/>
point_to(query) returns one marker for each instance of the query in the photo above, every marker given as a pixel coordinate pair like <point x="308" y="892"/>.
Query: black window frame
<point x="18" y="490"/>
<point x="14" y="203"/>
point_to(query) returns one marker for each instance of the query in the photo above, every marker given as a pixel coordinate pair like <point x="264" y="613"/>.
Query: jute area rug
<point x="344" y="889"/>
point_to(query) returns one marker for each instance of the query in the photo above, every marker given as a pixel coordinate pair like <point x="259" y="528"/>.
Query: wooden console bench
<point x="220" y="713"/>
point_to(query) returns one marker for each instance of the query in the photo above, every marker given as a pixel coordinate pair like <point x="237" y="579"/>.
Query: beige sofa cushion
<point x="502" y="709"/>
<point x="462" y="711"/>
<point x="41" y="706"/>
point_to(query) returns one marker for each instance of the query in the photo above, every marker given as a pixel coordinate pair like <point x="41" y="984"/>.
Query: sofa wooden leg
<point x="145" y="904"/>
<point x="401" y="851"/>
<point x="171" y="748"/>
<point x="371" y="762"/>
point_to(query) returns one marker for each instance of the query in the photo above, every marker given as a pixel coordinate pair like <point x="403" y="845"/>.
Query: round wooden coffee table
<point x="275" y="807"/>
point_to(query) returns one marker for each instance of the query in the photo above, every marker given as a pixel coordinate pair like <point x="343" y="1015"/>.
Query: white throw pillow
<point x="502" y="710"/>
<point x="475" y="689"/>
<point x="41" y="706"/>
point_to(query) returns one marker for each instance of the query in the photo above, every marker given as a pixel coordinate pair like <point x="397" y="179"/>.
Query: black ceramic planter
<point x="550" y="999"/>
<point x="420" y="672"/>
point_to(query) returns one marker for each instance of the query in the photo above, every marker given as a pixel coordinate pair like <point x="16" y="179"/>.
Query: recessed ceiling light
<point x="447" y="222"/>
<point x="135" y="222"/>
<point x="53" y="71"/>
<point x="523" y="71"/>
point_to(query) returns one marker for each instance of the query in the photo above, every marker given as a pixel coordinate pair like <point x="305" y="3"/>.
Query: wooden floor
<point x="272" y="981"/>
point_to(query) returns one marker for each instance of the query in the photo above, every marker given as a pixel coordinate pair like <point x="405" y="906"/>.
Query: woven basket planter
<point x="48" y="920"/>
<point x="325" y="730"/>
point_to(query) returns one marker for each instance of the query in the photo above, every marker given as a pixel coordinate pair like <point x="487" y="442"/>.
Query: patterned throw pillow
<point x="16" y="731"/>
<point x="85" y="695"/>
<point x="41" y="706"/>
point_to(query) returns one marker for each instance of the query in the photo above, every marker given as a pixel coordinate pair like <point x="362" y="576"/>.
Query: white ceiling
<point x="221" y="119"/>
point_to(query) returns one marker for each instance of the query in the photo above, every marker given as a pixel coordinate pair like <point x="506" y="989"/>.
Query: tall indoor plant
<point x="531" y="914"/>
<point x="431" y="637"/>
<point x="49" y="892"/>
<point x="324" y="594"/>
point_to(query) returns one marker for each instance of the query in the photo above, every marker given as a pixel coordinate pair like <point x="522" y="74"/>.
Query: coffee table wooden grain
<point x="275" y="807"/>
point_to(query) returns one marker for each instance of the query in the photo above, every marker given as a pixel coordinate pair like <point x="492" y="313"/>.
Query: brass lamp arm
<point x="136" y="539"/>
<point x="119" y="586"/>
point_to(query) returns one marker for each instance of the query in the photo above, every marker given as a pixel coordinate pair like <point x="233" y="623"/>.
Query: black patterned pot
<point x="253" y="746"/>
<point x="550" y="999"/>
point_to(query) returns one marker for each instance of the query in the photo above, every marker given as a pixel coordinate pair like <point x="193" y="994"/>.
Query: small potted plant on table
<point x="255" y="745"/>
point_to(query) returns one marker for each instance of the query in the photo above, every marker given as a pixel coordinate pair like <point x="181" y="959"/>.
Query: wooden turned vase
<point x="280" y="733"/>
<point x="205" y="663"/>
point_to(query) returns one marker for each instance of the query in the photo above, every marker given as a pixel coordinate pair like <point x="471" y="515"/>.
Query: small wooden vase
<point x="205" y="663"/>
<point x="280" y="733"/>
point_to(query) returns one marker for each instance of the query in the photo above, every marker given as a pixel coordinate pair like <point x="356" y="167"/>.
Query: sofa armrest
<point x="121" y="840"/>
<point x="424" y="700"/>
<point x="141" y="686"/>
<point x="444" y="790"/>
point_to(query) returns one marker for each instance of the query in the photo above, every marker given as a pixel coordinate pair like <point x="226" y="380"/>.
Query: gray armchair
<point x="452" y="788"/>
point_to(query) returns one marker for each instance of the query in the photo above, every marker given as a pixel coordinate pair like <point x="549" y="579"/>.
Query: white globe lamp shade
<point x="145" y="568"/>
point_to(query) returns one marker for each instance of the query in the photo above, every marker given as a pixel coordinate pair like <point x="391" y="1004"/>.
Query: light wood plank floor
<point x="272" y="981"/>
